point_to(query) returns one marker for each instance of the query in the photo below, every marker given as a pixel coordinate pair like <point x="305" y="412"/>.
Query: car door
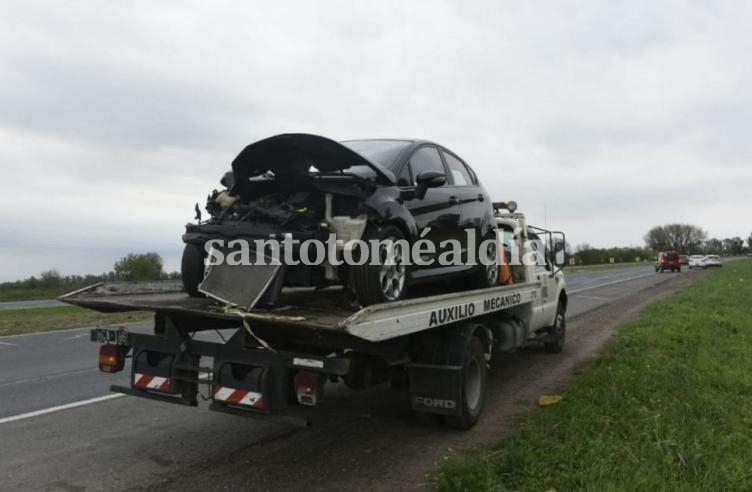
<point x="548" y="301"/>
<point x="436" y="210"/>
<point x="469" y="199"/>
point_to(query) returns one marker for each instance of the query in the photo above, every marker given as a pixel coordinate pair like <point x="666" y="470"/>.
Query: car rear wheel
<point x="387" y="281"/>
<point x="488" y="275"/>
<point x="192" y="269"/>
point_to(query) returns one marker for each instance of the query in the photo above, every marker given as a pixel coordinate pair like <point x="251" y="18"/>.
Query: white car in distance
<point x="697" y="261"/>
<point x="713" y="260"/>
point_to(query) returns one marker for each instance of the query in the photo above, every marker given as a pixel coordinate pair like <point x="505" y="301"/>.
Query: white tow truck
<point x="277" y="362"/>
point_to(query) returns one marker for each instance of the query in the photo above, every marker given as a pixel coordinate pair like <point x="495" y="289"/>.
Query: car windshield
<point x="381" y="152"/>
<point x="697" y="257"/>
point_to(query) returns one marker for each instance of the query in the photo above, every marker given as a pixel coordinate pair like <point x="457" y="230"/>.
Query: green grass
<point x="17" y="321"/>
<point x="668" y="408"/>
<point x="35" y="293"/>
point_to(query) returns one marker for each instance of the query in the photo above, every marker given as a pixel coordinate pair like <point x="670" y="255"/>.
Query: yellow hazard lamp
<point x="111" y="358"/>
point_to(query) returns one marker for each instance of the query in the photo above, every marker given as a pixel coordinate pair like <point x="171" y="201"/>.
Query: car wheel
<point x="558" y="332"/>
<point x="488" y="275"/>
<point x="192" y="269"/>
<point x="387" y="281"/>
<point x="473" y="390"/>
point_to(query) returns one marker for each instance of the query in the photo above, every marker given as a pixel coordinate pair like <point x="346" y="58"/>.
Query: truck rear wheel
<point x="473" y="389"/>
<point x="192" y="269"/>
<point x="558" y="332"/>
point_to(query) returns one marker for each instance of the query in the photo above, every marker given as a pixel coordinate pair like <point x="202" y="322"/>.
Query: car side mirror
<point x="428" y="179"/>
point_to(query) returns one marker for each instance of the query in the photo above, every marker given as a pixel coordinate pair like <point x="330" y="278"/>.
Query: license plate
<point x="117" y="337"/>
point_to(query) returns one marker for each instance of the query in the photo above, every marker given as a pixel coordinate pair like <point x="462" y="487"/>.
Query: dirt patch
<point x="373" y="442"/>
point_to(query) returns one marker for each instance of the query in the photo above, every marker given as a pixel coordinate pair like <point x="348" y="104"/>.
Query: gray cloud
<point x="117" y="117"/>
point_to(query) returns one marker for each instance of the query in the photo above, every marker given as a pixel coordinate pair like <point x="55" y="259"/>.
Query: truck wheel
<point x="192" y="269"/>
<point x="374" y="284"/>
<point x="558" y="332"/>
<point x="473" y="390"/>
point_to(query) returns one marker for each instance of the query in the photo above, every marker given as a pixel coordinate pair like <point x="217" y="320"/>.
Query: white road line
<point x="63" y="330"/>
<point x="58" y="408"/>
<point x="9" y="344"/>
<point x="612" y="283"/>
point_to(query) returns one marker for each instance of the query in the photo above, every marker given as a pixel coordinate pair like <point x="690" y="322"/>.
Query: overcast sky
<point x="115" y="118"/>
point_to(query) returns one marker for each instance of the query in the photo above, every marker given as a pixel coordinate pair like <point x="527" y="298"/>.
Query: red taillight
<point x="111" y="358"/>
<point x="309" y="387"/>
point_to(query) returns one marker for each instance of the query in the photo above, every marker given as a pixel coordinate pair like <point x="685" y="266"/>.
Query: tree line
<point x="687" y="239"/>
<point x="132" y="267"/>
<point x="690" y="239"/>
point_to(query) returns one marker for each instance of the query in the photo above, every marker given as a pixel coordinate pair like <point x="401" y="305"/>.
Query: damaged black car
<point x="307" y="187"/>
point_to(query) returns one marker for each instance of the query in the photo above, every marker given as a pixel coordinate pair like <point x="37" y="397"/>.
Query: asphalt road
<point x="62" y="430"/>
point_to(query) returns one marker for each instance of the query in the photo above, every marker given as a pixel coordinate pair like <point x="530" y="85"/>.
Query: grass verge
<point x="33" y="294"/>
<point x="669" y="407"/>
<point x="18" y="321"/>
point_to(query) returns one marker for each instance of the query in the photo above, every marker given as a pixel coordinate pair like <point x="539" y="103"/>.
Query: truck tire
<point x="374" y="284"/>
<point x="559" y="332"/>
<point x="192" y="269"/>
<point x="473" y="390"/>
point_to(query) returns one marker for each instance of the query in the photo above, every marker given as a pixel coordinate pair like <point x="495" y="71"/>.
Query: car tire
<point x="487" y="275"/>
<point x="558" y="332"/>
<point x="192" y="269"/>
<point x="473" y="389"/>
<point x="375" y="284"/>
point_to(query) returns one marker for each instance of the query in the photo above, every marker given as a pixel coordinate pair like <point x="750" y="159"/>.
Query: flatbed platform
<point x="325" y="309"/>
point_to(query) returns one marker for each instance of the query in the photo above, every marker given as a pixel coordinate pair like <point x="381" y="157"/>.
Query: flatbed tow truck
<point x="276" y="362"/>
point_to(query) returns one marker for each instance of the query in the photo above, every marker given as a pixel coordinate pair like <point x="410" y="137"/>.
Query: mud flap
<point x="261" y="385"/>
<point x="435" y="388"/>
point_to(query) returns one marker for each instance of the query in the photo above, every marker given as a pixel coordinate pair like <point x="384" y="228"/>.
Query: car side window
<point x="405" y="177"/>
<point x="460" y="176"/>
<point x="426" y="159"/>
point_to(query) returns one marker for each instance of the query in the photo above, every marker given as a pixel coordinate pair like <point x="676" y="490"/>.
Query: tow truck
<point x="276" y="362"/>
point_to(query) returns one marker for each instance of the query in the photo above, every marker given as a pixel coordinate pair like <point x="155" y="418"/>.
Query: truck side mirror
<point x="428" y="179"/>
<point x="559" y="251"/>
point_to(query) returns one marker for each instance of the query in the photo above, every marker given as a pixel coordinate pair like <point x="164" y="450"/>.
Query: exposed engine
<point x="301" y="207"/>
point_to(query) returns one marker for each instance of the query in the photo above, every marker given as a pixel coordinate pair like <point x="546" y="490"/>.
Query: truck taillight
<point x="111" y="358"/>
<point x="309" y="387"/>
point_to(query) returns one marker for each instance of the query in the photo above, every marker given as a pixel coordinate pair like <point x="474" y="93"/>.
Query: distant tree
<point x="749" y="242"/>
<point x="685" y="238"/>
<point x="713" y="246"/>
<point x="146" y="266"/>
<point x="50" y="278"/>
<point x="733" y="246"/>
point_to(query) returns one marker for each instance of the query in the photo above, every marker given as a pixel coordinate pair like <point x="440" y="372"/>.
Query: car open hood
<point x="295" y="153"/>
